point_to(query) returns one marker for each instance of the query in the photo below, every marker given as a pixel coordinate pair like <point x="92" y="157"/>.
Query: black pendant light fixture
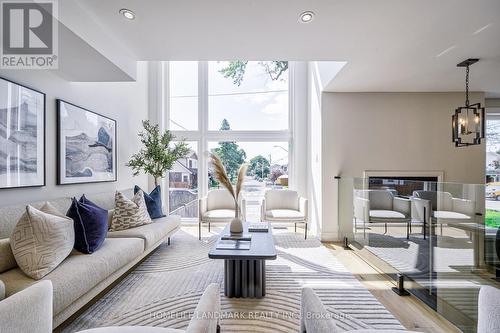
<point x="468" y="121"/>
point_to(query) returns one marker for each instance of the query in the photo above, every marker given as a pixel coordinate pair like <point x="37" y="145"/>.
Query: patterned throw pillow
<point x="129" y="213"/>
<point x="153" y="201"/>
<point x="41" y="240"/>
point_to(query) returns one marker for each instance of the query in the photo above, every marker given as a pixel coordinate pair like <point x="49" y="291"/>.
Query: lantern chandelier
<point x="468" y="121"/>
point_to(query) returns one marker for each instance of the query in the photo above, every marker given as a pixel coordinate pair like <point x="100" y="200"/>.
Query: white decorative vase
<point x="236" y="226"/>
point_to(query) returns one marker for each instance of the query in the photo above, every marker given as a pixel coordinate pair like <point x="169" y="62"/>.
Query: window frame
<point x="203" y="135"/>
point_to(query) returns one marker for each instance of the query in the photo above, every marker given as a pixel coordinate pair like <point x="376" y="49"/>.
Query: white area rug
<point x="164" y="290"/>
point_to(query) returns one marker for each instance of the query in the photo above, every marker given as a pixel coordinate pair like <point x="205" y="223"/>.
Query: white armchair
<point x="217" y="207"/>
<point x="436" y="207"/>
<point x="381" y="206"/>
<point x="284" y="206"/>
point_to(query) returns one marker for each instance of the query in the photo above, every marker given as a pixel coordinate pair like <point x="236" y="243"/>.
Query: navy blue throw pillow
<point x="153" y="202"/>
<point x="91" y="224"/>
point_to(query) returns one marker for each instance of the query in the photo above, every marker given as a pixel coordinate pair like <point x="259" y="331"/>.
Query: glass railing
<point x="441" y="237"/>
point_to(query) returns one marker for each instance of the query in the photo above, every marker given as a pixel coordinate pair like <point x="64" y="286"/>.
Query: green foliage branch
<point x="158" y="154"/>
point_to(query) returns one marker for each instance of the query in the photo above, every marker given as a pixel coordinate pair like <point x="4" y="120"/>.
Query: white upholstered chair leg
<point x="202" y="209"/>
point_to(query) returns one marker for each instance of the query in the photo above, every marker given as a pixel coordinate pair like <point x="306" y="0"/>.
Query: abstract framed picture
<point x="86" y="146"/>
<point x="22" y="136"/>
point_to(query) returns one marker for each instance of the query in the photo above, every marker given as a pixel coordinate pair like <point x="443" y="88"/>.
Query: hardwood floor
<point x="410" y="311"/>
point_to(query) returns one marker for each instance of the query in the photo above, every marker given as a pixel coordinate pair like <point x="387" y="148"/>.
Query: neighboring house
<point x="184" y="173"/>
<point x="492" y="167"/>
<point x="283" y="168"/>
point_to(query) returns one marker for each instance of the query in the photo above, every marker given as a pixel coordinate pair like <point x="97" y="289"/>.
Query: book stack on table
<point x="234" y="242"/>
<point x="237" y="237"/>
<point x="233" y="245"/>
<point x="258" y="227"/>
<point x="241" y="241"/>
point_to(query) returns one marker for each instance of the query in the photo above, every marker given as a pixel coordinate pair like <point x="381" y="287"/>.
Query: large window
<point x="267" y="168"/>
<point x="493" y="148"/>
<point x="255" y="101"/>
<point x="183" y="92"/>
<point x="237" y="109"/>
<point x="493" y="170"/>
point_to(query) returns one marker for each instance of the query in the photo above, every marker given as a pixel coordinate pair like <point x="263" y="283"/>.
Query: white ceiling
<point x="389" y="45"/>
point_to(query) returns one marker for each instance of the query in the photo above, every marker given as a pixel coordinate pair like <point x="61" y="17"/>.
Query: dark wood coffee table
<point x="245" y="270"/>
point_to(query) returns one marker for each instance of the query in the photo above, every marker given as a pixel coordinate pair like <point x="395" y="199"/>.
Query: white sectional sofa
<point x="81" y="277"/>
<point x="30" y="311"/>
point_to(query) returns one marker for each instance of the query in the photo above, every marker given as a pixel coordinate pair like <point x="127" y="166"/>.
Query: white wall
<point x="492" y="102"/>
<point x="492" y="105"/>
<point x="391" y="131"/>
<point x="314" y="170"/>
<point x="299" y="142"/>
<point x="126" y="102"/>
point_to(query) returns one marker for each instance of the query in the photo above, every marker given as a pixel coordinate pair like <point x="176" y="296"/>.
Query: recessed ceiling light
<point x="306" y="17"/>
<point x="127" y="13"/>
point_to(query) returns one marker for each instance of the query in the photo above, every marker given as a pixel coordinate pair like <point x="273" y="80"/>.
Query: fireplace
<point x="403" y="182"/>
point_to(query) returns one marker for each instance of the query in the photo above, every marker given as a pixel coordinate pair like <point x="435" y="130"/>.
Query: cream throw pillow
<point x="129" y="213"/>
<point x="41" y="240"/>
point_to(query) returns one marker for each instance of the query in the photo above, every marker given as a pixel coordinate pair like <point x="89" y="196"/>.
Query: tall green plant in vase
<point x="158" y="154"/>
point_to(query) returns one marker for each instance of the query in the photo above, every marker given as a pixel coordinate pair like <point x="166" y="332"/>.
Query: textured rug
<point x="164" y="290"/>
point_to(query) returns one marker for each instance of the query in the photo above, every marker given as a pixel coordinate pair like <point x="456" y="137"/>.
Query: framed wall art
<point x="22" y="136"/>
<point x="86" y="144"/>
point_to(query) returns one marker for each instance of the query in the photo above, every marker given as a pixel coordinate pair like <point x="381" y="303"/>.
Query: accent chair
<point x="439" y="208"/>
<point x="217" y="207"/>
<point x="381" y="206"/>
<point x="284" y="206"/>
